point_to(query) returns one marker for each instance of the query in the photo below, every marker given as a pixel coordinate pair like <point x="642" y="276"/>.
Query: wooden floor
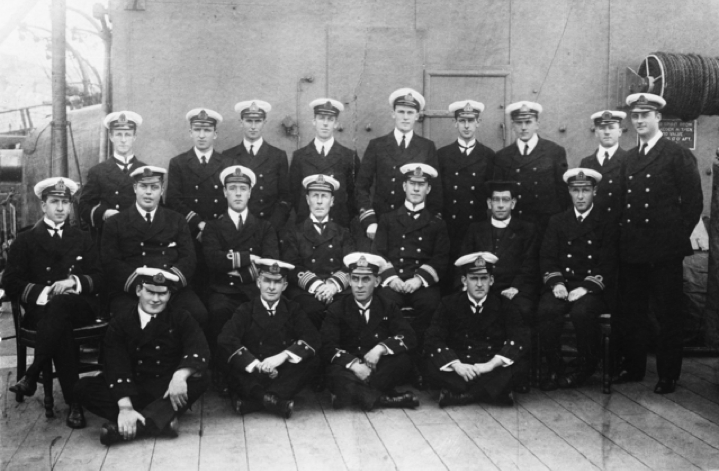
<point x="633" y="428"/>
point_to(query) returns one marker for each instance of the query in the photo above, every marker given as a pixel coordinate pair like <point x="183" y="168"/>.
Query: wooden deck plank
<point x="83" y="449"/>
<point x="543" y="442"/>
<point x="136" y="454"/>
<point x="585" y="439"/>
<point x="183" y="451"/>
<point x="268" y="443"/>
<point x="408" y="448"/>
<point x="455" y="448"/>
<point x="312" y="440"/>
<point x="222" y="445"/>
<point x="357" y="440"/>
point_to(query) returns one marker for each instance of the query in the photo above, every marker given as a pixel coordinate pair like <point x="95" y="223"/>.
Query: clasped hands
<point x="468" y="371"/>
<point x="326" y="292"/>
<point x="405" y="287"/>
<point x="269" y="365"/>
<point x="364" y="368"/>
<point x="560" y="292"/>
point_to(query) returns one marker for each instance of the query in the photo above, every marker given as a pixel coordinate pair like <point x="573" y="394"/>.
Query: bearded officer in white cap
<point x="661" y="207"/>
<point x="54" y="271"/>
<point x="109" y="187"/>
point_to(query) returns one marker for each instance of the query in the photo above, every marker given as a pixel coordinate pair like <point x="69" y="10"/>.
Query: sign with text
<point x="683" y="133"/>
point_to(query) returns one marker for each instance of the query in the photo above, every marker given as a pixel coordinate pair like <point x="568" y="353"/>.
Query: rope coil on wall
<point x="688" y="82"/>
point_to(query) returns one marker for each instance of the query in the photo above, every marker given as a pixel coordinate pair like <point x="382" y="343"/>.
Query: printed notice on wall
<point x="683" y="133"/>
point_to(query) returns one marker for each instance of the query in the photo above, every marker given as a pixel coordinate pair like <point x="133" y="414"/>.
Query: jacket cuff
<point x="341" y="278"/>
<point x="241" y="359"/>
<point x="395" y="344"/>
<point x="442" y="356"/>
<point x="305" y="279"/>
<point x="96" y="215"/>
<point x="178" y="272"/>
<point x="31" y="293"/>
<point x="193" y="360"/>
<point x="343" y="358"/>
<point x="553" y="278"/>
<point x="302" y="349"/>
<point x="366" y="218"/>
<point x="121" y="387"/>
<point x="428" y="274"/>
<point x="593" y="284"/>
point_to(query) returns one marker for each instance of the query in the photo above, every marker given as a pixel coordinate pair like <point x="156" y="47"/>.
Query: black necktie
<point x="204" y="160"/>
<point x="466" y="149"/>
<point x="148" y="218"/>
<point x="320" y="226"/>
<point x="402" y="145"/>
<point x="271" y="312"/>
<point x="643" y="150"/>
<point x="606" y="157"/>
<point x="526" y="149"/>
<point x="476" y="308"/>
<point x="363" y="314"/>
<point x="580" y="218"/>
<point x="413" y="214"/>
<point x="126" y="169"/>
<point x="56" y="233"/>
<point x="240" y="224"/>
<point x="322" y="151"/>
<point x="252" y="150"/>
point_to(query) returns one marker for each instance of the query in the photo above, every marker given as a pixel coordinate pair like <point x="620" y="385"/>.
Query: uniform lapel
<point x="248" y="228"/>
<point x="459" y="159"/>
<point x="261" y="317"/>
<point x="375" y="317"/>
<point x="158" y="222"/>
<point x="538" y="152"/>
<point x="636" y="163"/>
<point x="138" y="220"/>
<point x="508" y="238"/>
<point x="310" y="233"/>
<point x="490" y="311"/>
<point x="392" y="149"/>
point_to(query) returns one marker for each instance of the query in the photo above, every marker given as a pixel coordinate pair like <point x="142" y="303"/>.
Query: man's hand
<point x="201" y="225"/>
<point x="509" y="293"/>
<point x="372" y="357"/>
<point x="397" y="285"/>
<point x="467" y="372"/>
<point x="361" y="370"/>
<point x="254" y="258"/>
<point x="272" y="363"/>
<point x="109" y="213"/>
<point x="576" y="293"/>
<point x="560" y="291"/>
<point x="372" y="231"/>
<point x="177" y="390"/>
<point x="127" y="422"/>
<point x="412" y="285"/>
<point x="60" y="287"/>
<point x="326" y="292"/>
<point x="483" y="368"/>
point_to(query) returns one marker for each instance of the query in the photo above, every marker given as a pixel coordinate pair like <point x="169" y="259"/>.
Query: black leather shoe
<point x="505" y="400"/>
<point x="281" y="407"/>
<point x="243" y="407"/>
<point x="25" y="386"/>
<point x="550" y="383"/>
<point x="448" y="398"/>
<point x="172" y="429"/>
<point x="404" y="401"/>
<point x="418" y="382"/>
<point x="625" y="376"/>
<point x="573" y="380"/>
<point x="109" y="434"/>
<point x="665" y="386"/>
<point x="75" y="416"/>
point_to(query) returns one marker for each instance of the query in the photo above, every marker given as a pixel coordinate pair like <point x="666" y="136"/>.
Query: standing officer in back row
<point x="608" y="161"/>
<point x="109" y="187"/>
<point x="464" y="166"/>
<point x="325" y="156"/>
<point x="384" y="157"/>
<point x="536" y="164"/>
<point x="271" y="195"/>
<point x="661" y="206"/>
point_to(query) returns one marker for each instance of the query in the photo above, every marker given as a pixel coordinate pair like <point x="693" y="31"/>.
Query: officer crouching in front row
<point x="365" y="340"/>
<point x="156" y="359"/>
<point x="270" y="346"/>
<point x="472" y="343"/>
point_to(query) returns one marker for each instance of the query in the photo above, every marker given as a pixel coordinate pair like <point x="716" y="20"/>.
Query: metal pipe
<point x="59" y="110"/>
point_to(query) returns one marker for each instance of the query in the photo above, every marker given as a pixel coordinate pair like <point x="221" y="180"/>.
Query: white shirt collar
<point x="143" y="212"/>
<point x="144" y="317"/>
<point x="585" y="214"/>
<point x="120" y="158"/>
<point x="532" y="143"/>
<point x="463" y="143"/>
<point x="327" y="145"/>
<point x="235" y="216"/>
<point x="314" y="219"/>
<point x="477" y="303"/>
<point x="200" y="154"/>
<point x="255" y="145"/>
<point x="268" y="307"/>
<point x="411" y="207"/>
<point x="651" y="142"/>
<point x="366" y="306"/>
<point x="52" y="224"/>
<point x="407" y="137"/>
<point x="501" y="224"/>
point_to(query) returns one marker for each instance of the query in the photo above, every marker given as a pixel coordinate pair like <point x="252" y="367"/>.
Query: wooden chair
<point x="25" y="337"/>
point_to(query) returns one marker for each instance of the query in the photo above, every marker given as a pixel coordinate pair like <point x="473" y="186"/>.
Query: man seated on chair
<point x="156" y="360"/>
<point x="271" y="345"/>
<point x="149" y="235"/>
<point x="578" y="258"/>
<point x="365" y="340"/>
<point x="316" y="247"/>
<point x="54" y="271"/>
<point x="472" y="342"/>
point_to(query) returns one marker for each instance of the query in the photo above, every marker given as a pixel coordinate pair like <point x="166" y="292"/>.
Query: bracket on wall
<point x="135" y="5"/>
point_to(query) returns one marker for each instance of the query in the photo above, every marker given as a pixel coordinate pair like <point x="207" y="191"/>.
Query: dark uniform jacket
<point x="413" y="246"/>
<point x="147" y="358"/>
<point x="662" y="204"/>
<point x="380" y="164"/>
<point x="581" y="254"/>
<point x="36" y="260"/>
<point x="252" y="334"/>
<point x="107" y="187"/>
<point x="226" y="250"/>
<point x="608" y="199"/>
<point x="315" y="256"/>
<point x="128" y="243"/>
<point x="517" y="252"/>
<point x="347" y="336"/>
<point x="457" y="333"/>
<point x="463" y="177"/>
<point x="341" y="164"/>
<point x="271" y="194"/>
<point x="194" y="190"/>
<point x="542" y="190"/>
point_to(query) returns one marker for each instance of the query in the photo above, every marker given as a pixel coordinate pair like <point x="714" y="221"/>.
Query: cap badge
<point x="122" y="119"/>
<point x="418" y="172"/>
<point x="524" y="109"/>
<point x="146" y="172"/>
<point x="642" y="100"/>
<point x="468" y="108"/>
<point x="581" y="176"/>
<point x="328" y="105"/>
<point x="238" y="172"/>
<point x="202" y="115"/>
<point x="60" y="185"/>
<point x="607" y="115"/>
<point x="275" y="268"/>
<point x="253" y="107"/>
<point x="320" y="179"/>
<point x="158" y="278"/>
<point x="480" y="262"/>
<point x="362" y="262"/>
<point x="408" y="97"/>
